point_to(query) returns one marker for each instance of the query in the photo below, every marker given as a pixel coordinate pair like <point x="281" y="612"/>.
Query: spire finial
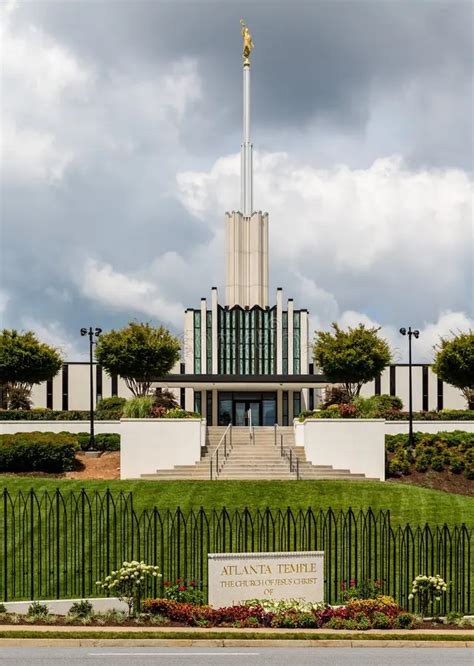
<point x="247" y="45"/>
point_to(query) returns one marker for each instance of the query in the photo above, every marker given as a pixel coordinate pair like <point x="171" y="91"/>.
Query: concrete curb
<point x="226" y="643"/>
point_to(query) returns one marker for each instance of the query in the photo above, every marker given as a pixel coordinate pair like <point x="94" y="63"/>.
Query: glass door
<point x="254" y="409"/>
<point x="240" y="413"/>
<point x="243" y="409"/>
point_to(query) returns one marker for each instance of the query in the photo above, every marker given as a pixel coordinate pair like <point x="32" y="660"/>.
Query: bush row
<point x="439" y="451"/>
<point x="49" y="451"/>
<point x="102" y="441"/>
<point x="38" y="452"/>
<point x="378" y="613"/>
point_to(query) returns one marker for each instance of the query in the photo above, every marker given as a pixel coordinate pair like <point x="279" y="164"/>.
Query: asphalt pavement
<point x="298" y="656"/>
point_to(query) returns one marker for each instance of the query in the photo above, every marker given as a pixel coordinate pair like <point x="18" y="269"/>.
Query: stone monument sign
<point x="238" y="577"/>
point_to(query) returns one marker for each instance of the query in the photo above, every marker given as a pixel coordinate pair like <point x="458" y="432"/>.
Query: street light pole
<point x="91" y="333"/>
<point x="416" y="334"/>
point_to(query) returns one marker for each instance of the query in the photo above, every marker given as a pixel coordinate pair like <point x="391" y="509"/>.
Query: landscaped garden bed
<point x="357" y="615"/>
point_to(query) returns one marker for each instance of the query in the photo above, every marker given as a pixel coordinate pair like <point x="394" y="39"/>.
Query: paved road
<point x="42" y="656"/>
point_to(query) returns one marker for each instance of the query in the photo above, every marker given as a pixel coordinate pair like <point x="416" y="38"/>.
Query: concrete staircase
<point x="253" y="457"/>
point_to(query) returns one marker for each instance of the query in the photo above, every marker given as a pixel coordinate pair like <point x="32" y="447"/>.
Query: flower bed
<point x="359" y="615"/>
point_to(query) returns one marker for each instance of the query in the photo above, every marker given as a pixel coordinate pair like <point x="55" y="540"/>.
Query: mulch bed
<point x="446" y="480"/>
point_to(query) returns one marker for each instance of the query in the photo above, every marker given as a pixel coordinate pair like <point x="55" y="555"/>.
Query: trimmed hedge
<point x="102" y="442"/>
<point x="41" y="414"/>
<point x="439" y="451"/>
<point x="38" y="452"/>
<point x="442" y="415"/>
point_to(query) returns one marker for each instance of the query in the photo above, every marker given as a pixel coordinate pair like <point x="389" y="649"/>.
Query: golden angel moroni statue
<point x="248" y="44"/>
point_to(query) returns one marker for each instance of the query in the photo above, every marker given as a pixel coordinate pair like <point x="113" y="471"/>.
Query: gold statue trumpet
<point x="248" y="44"/>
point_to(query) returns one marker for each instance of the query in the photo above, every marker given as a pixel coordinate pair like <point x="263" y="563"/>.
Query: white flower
<point x="410" y="596"/>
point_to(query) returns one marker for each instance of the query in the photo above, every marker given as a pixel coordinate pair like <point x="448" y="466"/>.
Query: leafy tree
<point x="138" y="353"/>
<point x="454" y="364"/>
<point x="25" y="361"/>
<point x="351" y="357"/>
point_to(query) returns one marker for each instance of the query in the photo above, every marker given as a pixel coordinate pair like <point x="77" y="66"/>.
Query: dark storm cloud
<point x="333" y="82"/>
<point x="326" y="60"/>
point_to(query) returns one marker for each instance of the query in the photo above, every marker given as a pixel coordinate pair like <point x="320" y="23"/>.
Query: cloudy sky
<point x="121" y="129"/>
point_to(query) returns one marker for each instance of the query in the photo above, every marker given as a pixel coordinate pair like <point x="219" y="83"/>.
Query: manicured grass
<point x="407" y="504"/>
<point x="234" y="636"/>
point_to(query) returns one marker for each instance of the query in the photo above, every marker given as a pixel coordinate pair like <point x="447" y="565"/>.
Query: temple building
<point x="246" y="359"/>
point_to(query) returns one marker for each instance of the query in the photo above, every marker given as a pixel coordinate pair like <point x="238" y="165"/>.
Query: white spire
<point x="246" y="156"/>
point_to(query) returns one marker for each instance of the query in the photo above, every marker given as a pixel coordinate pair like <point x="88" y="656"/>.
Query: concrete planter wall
<point x="359" y="444"/>
<point x="147" y="445"/>
<point x="12" y="427"/>
<point x="354" y="444"/>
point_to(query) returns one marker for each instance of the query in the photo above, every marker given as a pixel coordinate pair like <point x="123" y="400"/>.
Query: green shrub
<point x="362" y="622"/>
<point x="469" y="471"/>
<point x="81" y="609"/>
<point x="422" y="464"/>
<point x="438" y="451"/>
<point x="178" y="413"/>
<point x="381" y="621"/>
<point x="109" y="441"/>
<point x="404" y="621"/>
<point x="456" y="465"/>
<point x="36" y="609"/>
<point x="38" y="451"/>
<point x="398" y="466"/>
<point x="377" y="406"/>
<point x="437" y="463"/>
<point x="138" y="408"/>
<point x="42" y="414"/>
<point x="110" y="408"/>
<point x="3" y="608"/>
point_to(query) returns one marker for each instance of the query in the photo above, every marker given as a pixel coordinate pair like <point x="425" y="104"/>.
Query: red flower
<point x="343" y="585"/>
<point x="179" y="580"/>
<point x="166" y="583"/>
<point x="182" y="588"/>
<point x="352" y="582"/>
<point x="192" y="583"/>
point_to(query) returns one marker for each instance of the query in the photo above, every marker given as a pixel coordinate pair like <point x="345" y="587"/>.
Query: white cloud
<point x="53" y="333"/>
<point x="124" y="293"/>
<point x="448" y="324"/>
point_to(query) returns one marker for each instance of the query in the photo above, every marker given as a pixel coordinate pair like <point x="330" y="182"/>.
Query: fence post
<point x="5" y="546"/>
<point x="58" y="550"/>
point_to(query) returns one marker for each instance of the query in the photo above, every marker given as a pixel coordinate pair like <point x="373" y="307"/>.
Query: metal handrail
<point x="215" y="453"/>
<point x="251" y="428"/>
<point x="287" y="453"/>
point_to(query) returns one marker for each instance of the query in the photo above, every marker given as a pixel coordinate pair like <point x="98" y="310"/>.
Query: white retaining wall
<point x="359" y="444"/>
<point x="62" y="606"/>
<point x="147" y="445"/>
<point x="12" y="427"/>
<point x="354" y="444"/>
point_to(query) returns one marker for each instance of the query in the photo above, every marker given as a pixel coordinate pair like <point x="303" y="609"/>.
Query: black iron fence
<point x="55" y="545"/>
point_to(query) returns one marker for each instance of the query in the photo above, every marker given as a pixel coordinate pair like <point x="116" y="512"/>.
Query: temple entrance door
<point x="241" y="412"/>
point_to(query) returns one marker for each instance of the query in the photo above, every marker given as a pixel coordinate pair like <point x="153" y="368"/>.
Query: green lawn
<point x="407" y="504"/>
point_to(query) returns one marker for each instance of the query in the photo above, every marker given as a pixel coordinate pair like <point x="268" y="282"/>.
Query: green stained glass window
<point x="197" y="342"/>
<point x="296" y="343"/>
<point x="209" y="342"/>
<point x="285" y="342"/>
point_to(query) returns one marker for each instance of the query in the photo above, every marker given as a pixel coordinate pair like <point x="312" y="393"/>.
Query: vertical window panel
<point x="197" y="342"/>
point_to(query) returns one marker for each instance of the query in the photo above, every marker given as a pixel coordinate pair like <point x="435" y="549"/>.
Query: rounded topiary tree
<point x="139" y="353"/>
<point x="454" y="364"/>
<point x="25" y="361"/>
<point x="351" y="357"/>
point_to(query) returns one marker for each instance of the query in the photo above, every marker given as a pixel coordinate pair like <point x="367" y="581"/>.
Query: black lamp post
<point x="92" y="332"/>
<point x="416" y="334"/>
